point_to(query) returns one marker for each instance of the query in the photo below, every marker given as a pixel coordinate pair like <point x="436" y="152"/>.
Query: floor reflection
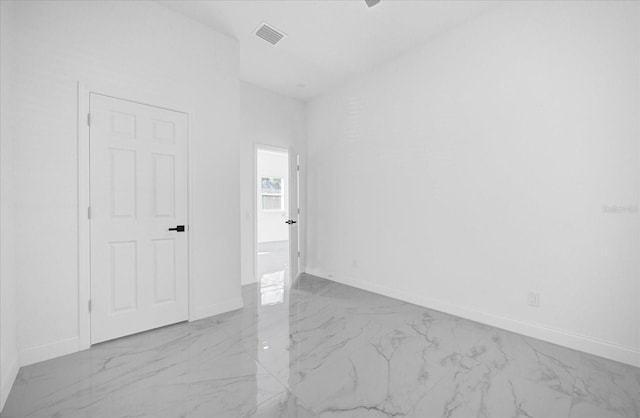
<point x="272" y="322"/>
<point x="272" y="288"/>
<point x="273" y="271"/>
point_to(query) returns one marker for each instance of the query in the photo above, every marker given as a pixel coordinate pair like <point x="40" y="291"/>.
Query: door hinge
<point x="88" y="119"/>
<point x="89" y="212"/>
<point x="298" y="254"/>
<point x="89" y="305"/>
<point x="298" y="167"/>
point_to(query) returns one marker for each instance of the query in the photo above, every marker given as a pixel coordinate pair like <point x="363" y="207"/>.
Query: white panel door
<point x="139" y="186"/>
<point x="294" y="230"/>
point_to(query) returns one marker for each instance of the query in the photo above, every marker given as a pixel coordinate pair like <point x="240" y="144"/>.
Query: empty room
<point x="319" y="209"/>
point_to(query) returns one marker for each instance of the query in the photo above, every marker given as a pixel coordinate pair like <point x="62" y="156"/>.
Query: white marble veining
<point x="327" y="350"/>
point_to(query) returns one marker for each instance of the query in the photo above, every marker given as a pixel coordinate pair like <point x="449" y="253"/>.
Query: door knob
<point x="290" y="222"/>
<point x="178" y="228"/>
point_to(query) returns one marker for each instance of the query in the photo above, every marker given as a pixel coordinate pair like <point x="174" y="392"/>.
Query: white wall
<point x="147" y="50"/>
<point x="475" y="169"/>
<point x="266" y="119"/>
<point x="271" y="225"/>
<point x="8" y="337"/>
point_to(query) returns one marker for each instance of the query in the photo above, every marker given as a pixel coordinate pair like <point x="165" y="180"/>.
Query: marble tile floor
<point x="327" y="350"/>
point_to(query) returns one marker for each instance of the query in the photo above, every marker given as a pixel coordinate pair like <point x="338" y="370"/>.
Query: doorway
<point x="276" y="224"/>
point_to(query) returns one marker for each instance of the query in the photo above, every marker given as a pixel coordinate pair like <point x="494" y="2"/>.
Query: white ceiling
<point x="327" y="41"/>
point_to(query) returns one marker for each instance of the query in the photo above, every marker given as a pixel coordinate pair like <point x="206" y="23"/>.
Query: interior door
<point x="294" y="231"/>
<point x="138" y="193"/>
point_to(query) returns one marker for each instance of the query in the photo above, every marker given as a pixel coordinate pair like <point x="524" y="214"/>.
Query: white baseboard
<point x="601" y="348"/>
<point x="48" y="351"/>
<point x="201" y="312"/>
<point x="9" y="375"/>
<point x="55" y="349"/>
<point x="248" y="281"/>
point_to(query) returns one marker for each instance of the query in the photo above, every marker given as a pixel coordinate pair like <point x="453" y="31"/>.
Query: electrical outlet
<point x="533" y="299"/>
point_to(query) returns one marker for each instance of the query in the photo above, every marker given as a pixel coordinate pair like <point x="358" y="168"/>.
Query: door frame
<point x="135" y="95"/>
<point x="292" y="168"/>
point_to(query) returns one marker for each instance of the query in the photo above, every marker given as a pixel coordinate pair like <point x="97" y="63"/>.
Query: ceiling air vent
<point x="269" y="33"/>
